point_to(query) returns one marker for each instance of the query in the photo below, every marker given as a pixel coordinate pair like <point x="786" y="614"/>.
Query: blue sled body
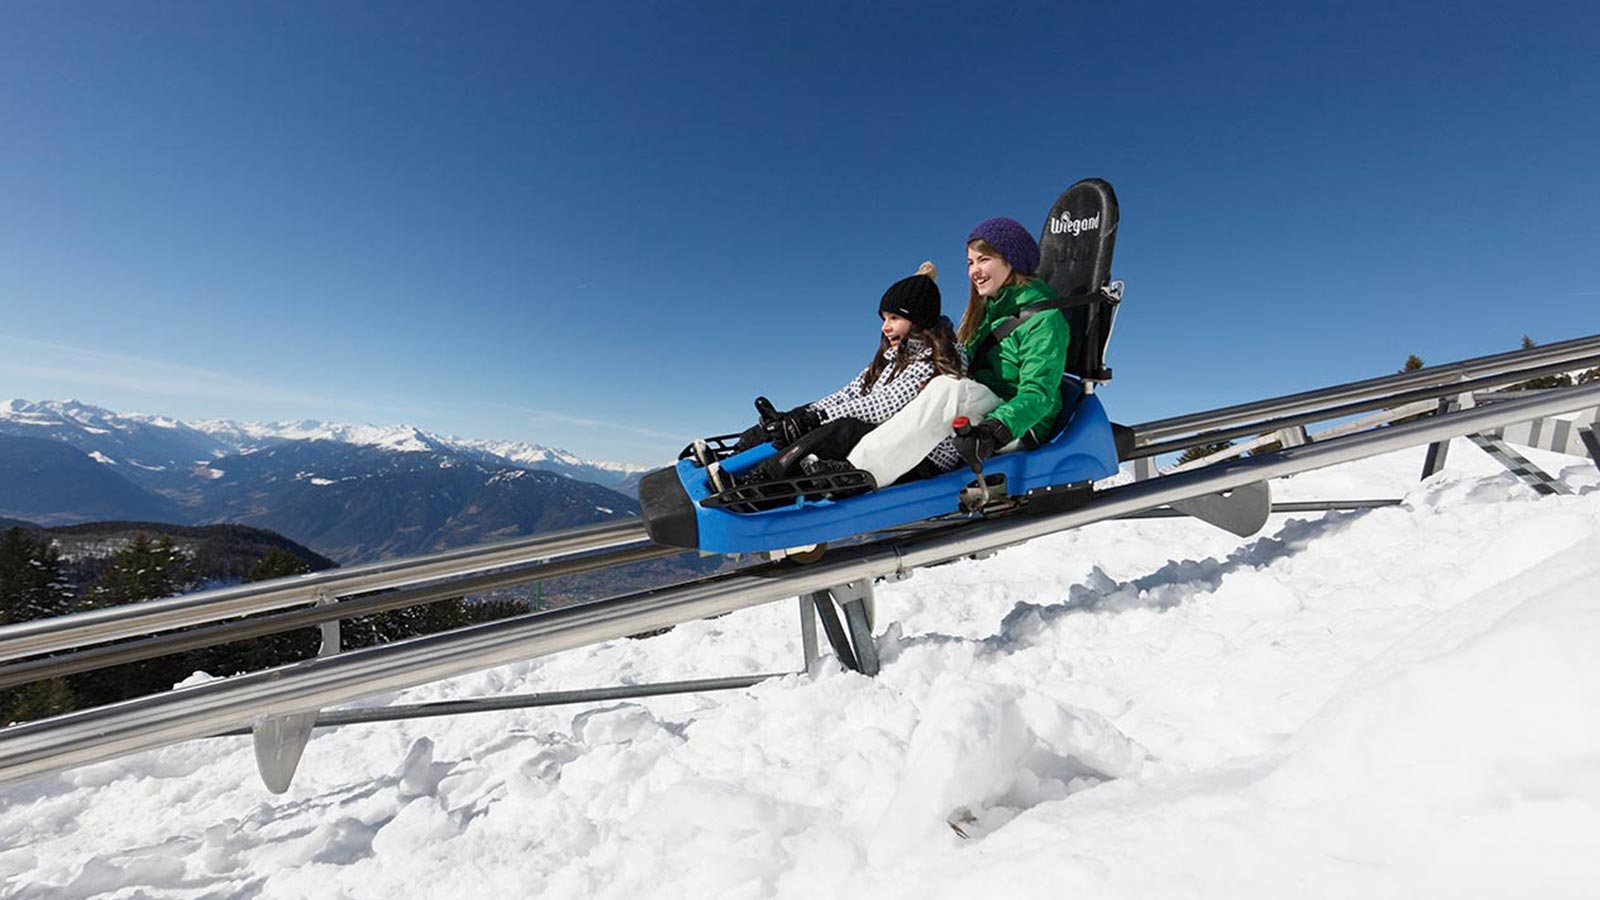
<point x="1083" y="451"/>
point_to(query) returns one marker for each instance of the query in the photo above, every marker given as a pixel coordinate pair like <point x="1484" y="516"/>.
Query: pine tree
<point x="269" y="650"/>
<point x="1413" y="363"/>
<point x="1543" y="381"/>
<point x="38" y="700"/>
<point x="278" y="563"/>
<point x="142" y="571"/>
<point x="139" y="571"/>
<point x="31" y="583"/>
<point x="32" y="587"/>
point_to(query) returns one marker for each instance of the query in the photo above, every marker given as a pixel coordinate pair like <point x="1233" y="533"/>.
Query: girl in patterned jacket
<point x="917" y="343"/>
<point x="1015" y="383"/>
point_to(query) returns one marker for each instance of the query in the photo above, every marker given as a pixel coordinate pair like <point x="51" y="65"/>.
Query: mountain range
<point x="352" y="492"/>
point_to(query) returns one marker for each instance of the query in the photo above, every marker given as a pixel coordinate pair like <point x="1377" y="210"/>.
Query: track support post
<point x="808" y="634"/>
<point x="851" y="638"/>
<point x="1433" y="464"/>
<point x="281" y="740"/>
<point x="1591" y="442"/>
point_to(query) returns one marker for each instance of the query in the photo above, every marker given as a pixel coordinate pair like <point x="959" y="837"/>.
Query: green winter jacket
<point x="1024" y="368"/>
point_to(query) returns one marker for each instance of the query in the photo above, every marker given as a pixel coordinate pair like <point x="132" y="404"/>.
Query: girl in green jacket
<point x="1015" y="383"/>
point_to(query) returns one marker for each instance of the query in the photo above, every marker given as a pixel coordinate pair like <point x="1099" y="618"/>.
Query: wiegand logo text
<point x="1066" y="224"/>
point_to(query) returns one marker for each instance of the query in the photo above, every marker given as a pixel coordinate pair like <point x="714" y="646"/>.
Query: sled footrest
<point x="721" y="446"/>
<point x="764" y="495"/>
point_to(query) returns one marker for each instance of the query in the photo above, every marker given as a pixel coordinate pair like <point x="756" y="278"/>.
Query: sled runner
<point x="683" y="508"/>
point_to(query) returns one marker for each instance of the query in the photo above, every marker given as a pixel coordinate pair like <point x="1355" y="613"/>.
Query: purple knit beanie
<point x="1013" y="241"/>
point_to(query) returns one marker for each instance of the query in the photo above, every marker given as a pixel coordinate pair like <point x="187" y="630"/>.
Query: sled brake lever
<point x="967" y="447"/>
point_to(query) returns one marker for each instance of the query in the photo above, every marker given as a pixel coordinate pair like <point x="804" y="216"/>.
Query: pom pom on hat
<point x="1013" y="240"/>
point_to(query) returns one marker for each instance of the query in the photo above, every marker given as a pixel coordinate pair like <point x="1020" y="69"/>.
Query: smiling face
<point x="987" y="269"/>
<point x="895" y="328"/>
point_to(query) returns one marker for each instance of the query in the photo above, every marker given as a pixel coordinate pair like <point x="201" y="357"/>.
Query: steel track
<point x="102" y="733"/>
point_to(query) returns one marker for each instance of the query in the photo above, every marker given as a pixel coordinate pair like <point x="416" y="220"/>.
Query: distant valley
<point x="353" y="493"/>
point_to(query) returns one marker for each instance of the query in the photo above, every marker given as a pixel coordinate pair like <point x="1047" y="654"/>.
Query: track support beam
<point x="852" y="637"/>
<point x="280" y="741"/>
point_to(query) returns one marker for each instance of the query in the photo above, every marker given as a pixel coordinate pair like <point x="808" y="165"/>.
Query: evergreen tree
<point x="1543" y="381"/>
<point x="269" y="650"/>
<point x="1413" y="362"/>
<point x="32" y="587"/>
<point x="31" y="583"/>
<point x="144" y="571"/>
<point x="38" y="700"/>
<point x="140" y="571"/>
<point x="278" y="563"/>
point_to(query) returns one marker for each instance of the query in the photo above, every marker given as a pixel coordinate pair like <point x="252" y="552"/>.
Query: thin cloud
<point x="82" y="366"/>
<point x="547" y="417"/>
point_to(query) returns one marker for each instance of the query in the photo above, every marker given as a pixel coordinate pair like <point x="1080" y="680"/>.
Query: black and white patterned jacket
<point x="889" y="394"/>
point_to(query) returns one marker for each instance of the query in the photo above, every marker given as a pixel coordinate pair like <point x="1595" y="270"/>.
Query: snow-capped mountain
<point x="147" y="450"/>
<point x="146" y="444"/>
<point x="353" y="492"/>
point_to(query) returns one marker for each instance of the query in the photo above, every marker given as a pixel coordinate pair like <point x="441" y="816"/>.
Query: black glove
<point x="977" y="443"/>
<point x="785" y="428"/>
<point x="795" y="423"/>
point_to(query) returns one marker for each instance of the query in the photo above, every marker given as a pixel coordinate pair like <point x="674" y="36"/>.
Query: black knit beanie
<point x="915" y="298"/>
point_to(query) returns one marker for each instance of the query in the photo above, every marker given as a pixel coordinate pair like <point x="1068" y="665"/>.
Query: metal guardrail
<point x="99" y="657"/>
<point x="106" y="732"/>
<point x="1382" y="401"/>
<point x="136" y="619"/>
<point x="1562" y="356"/>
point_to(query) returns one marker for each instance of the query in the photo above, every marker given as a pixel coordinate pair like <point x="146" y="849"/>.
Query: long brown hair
<point x="938" y="337"/>
<point x="973" y="317"/>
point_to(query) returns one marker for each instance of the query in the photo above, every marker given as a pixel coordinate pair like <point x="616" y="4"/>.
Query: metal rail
<point x="1309" y="413"/>
<point x="101" y="657"/>
<point x="1564" y="352"/>
<point x="136" y="619"/>
<point x="141" y="620"/>
<point x="402" y="712"/>
<point x="106" y="732"/>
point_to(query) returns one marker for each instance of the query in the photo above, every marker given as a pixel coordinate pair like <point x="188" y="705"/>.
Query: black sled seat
<point x="1075" y="251"/>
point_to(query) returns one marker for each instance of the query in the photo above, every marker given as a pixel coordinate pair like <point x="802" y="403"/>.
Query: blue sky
<point x="606" y="227"/>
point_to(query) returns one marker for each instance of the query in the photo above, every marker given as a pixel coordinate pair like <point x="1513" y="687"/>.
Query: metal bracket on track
<point x="1241" y="511"/>
<point x="1550" y="433"/>
<point x="280" y="741"/>
<point x="1519" y="465"/>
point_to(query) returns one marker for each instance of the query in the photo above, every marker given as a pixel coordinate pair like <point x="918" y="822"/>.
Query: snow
<point x="249" y="437"/>
<point x="400" y="438"/>
<point x="527" y="454"/>
<point x="1390" y="703"/>
<point x="101" y="458"/>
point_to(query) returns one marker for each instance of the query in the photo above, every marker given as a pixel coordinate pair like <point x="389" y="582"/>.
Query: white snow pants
<point x="895" y="447"/>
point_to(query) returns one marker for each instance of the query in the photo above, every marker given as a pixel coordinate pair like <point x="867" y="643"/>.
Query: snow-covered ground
<point x="1403" y="702"/>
